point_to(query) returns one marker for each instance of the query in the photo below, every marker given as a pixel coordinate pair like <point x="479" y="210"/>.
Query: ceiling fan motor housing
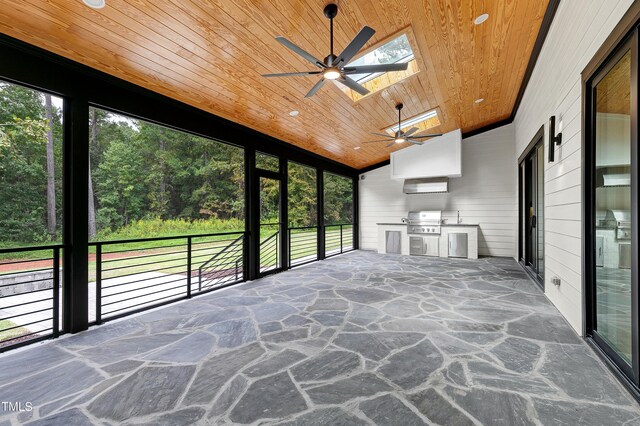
<point x="329" y="60"/>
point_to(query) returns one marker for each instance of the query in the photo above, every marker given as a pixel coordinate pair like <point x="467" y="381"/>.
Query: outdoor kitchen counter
<point x="467" y="228"/>
<point x="444" y="224"/>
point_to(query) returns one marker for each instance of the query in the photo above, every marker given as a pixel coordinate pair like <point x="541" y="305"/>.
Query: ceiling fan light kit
<point x="334" y="68"/>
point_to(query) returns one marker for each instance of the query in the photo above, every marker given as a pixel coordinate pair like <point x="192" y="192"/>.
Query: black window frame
<point x="82" y="87"/>
<point x="624" y="37"/>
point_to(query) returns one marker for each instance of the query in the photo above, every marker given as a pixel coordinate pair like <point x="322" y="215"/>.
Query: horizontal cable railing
<point x="303" y="245"/>
<point x="224" y="267"/>
<point x="338" y="239"/>
<point x="29" y="294"/>
<point x="134" y="275"/>
<point x="269" y="257"/>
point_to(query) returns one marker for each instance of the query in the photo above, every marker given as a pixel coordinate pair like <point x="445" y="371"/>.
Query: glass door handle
<point x="533" y="221"/>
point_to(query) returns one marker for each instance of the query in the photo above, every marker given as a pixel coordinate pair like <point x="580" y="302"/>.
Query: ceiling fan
<point x="400" y="136"/>
<point x="334" y="67"/>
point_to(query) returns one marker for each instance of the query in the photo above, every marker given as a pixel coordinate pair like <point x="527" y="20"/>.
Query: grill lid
<point x="619" y="218"/>
<point x="427" y="217"/>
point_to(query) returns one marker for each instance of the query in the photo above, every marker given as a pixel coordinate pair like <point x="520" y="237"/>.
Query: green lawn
<point x="10" y="334"/>
<point x="138" y="257"/>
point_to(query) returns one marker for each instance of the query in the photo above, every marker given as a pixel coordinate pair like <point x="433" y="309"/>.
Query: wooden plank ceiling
<point x="210" y="54"/>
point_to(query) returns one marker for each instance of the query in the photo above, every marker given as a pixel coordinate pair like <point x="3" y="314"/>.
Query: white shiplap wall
<point x="485" y="194"/>
<point x="578" y="30"/>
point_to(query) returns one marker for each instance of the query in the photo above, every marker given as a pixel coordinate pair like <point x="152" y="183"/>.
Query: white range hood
<point x="427" y="168"/>
<point x="426" y="185"/>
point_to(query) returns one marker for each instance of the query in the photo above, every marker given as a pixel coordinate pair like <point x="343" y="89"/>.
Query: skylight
<point x="394" y="51"/>
<point x="422" y="121"/>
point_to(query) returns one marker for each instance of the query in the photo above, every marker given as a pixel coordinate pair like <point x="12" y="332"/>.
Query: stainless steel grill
<point x="621" y="220"/>
<point x="424" y="222"/>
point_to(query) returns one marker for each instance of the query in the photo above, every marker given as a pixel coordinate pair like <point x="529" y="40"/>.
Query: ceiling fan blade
<point x="292" y="74"/>
<point x="382" y="134"/>
<point x="391" y="144"/>
<point x="415" y="142"/>
<point x="370" y="69"/>
<point x="353" y="85"/>
<point x="315" y="88"/>
<point x="379" y="140"/>
<point x="306" y="55"/>
<point x="356" y="44"/>
<point x="433" y="135"/>
<point x="410" y="131"/>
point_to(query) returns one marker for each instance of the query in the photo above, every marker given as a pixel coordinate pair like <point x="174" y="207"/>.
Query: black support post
<point x="99" y="283"/>
<point x="284" y="212"/>
<point x="251" y="215"/>
<point x="76" y="215"/>
<point x="356" y="214"/>
<point x="189" y="267"/>
<point x="320" y="191"/>
<point x="56" y="293"/>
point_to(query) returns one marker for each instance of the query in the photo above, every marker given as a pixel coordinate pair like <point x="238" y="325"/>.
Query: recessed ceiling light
<point x="356" y="148"/>
<point x="480" y="100"/>
<point x="480" y="19"/>
<point x="95" y="4"/>
<point x="294" y="113"/>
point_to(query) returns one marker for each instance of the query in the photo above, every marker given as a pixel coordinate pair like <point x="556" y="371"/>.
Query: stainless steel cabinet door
<point x="393" y="242"/>
<point x="431" y="246"/>
<point x="458" y="246"/>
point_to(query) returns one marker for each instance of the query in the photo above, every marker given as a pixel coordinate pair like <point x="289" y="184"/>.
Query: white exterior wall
<point x="486" y="194"/>
<point x="577" y="32"/>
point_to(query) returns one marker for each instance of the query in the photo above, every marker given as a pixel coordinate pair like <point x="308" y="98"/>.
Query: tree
<point x="23" y="177"/>
<point x="338" y="199"/>
<point x="51" y="175"/>
<point x="303" y="200"/>
<point x="118" y="179"/>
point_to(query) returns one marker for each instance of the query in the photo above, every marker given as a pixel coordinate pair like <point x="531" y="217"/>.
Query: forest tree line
<point x="139" y="172"/>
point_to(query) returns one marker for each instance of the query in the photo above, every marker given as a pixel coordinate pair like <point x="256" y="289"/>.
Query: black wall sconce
<point x="553" y="138"/>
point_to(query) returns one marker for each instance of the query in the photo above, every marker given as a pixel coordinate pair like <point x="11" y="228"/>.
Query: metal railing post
<point x="289" y="238"/>
<point x="189" y="267"/>
<point x="98" y="283"/>
<point x="56" y="292"/>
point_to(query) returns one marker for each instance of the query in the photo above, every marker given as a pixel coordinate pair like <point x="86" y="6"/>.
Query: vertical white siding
<point x="578" y="30"/>
<point x="485" y="194"/>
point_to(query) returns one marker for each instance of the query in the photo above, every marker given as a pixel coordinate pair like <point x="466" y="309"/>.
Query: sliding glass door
<point x="532" y="209"/>
<point x="612" y="278"/>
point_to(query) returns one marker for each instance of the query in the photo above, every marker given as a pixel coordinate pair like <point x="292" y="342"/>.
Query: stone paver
<point x="357" y="339"/>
